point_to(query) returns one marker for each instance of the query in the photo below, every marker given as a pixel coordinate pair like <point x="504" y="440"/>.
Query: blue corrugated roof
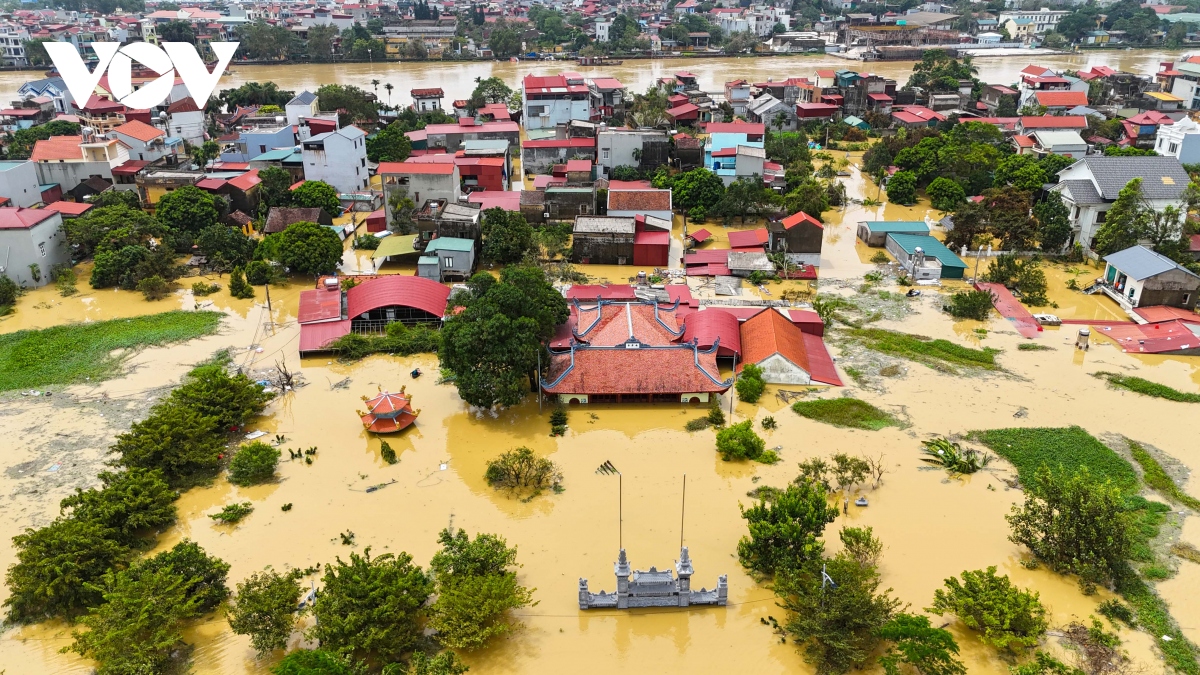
<point x="1139" y="262"/>
<point x="907" y="226"/>
<point x="932" y="248"/>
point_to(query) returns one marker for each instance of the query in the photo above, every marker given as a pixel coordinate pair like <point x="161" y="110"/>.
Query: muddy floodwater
<point x="932" y="526"/>
<point x="458" y="79"/>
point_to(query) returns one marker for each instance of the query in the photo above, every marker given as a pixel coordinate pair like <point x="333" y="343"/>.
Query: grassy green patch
<point x="1034" y="347"/>
<point x="1155" y="618"/>
<point x="1146" y="387"/>
<point x="1067" y="447"/>
<point x="846" y="412"/>
<point x="937" y="354"/>
<point x="68" y="354"/>
<point x="1156" y="477"/>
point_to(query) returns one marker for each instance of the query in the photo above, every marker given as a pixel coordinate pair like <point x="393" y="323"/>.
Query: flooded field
<point x="932" y="526"/>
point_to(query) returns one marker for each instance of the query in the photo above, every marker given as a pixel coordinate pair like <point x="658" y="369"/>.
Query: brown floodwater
<point x="932" y="526"/>
<point x="458" y="79"/>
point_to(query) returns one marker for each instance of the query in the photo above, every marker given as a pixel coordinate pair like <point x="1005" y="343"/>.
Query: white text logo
<point x="179" y="57"/>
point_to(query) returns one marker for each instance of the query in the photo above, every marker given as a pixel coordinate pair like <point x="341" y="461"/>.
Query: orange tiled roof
<point x="57" y="147"/>
<point x="768" y="333"/>
<point x="139" y="130"/>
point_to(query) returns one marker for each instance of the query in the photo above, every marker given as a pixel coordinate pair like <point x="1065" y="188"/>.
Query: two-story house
<point x="339" y="158"/>
<point x="548" y="101"/>
<point x="1090" y="186"/>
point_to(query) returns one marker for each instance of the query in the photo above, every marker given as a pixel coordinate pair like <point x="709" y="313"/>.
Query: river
<point x="458" y="78"/>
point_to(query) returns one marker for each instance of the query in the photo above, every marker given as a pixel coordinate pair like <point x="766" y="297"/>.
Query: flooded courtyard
<point x="932" y="526"/>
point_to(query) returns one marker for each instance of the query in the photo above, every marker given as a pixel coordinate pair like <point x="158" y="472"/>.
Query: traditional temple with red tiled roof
<point x="388" y="413"/>
<point x="623" y="351"/>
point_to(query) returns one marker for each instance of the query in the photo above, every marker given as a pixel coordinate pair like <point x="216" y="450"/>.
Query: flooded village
<point x="744" y="333"/>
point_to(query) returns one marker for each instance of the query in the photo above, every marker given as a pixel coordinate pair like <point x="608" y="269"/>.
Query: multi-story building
<point x="338" y="158"/>
<point x="1090" y="186"/>
<point x="1037" y="22"/>
<point x="12" y="44"/>
<point x="70" y="160"/>
<point x="548" y="101"/>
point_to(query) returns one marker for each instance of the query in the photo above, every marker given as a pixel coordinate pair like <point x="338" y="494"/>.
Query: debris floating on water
<point x="861" y="501"/>
<point x="380" y="486"/>
<point x="607" y="468"/>
<point x="255" y="434"/>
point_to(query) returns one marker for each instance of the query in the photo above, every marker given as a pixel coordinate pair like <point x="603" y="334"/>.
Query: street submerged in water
<point x="932" y="526"/>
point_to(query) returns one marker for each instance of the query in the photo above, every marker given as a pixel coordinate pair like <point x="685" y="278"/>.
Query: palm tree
<point x="388" y="87"/>
<point x="375" y="85"/>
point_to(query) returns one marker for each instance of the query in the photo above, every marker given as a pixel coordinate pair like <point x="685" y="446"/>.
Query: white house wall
<point x="778" y="370"/>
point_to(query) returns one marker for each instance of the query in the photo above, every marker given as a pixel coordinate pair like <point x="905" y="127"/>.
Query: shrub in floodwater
<point x="1115" y="610"/>
<point x="64" y="279"/>
<point x="740" y="442"/>
<point x="387" y="453"/>
<point x="1009" y="618"/>
<point x="238" y="287"/>
<point x="154" y="287"/>
<point x="254" y="463"/>
<point x="265" y="609"/>
<point x="558" y="416"/>
<point x="975" y="305"/>
<point x="201" y="289"/>
<point x="769" y="422"/>
<point x="715" y="417"/>
<point x="232" y="513"/>
<point x="951" y="456"/>
<point x="846" y="412"/>
<point x="880" y="258"/>
<point x="698" y="424"/>
<point x="750" y="384"/>
<point x="521" y="469"/>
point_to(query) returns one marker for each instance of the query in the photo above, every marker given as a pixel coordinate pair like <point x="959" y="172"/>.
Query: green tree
<point x="739" y="442"/>
<point x="238" y="287"/>
<point x="262" y="41"/>
<point x="230" y="399"/>
<point x="785" y="529"/>
<point x="750" y="384"/>
<point x="1007" y="617"/>
<point x="944" y="194"/>
<point x="836" y="624"/>
<point x="492" y="346"/>
<point x="264" y="608"/>
<point x="35" y="51"/>
<point x="389" y="144"/>
<point x="504" y="41"/>
<point x="183" y="444"/>
<point x="314" y="662"/>
<point x="110" y="227"/>
<point x="138" y="627"/>
<point x="939" y="72"/>
<point x="507" y="237"/>
<point x="58" y="567"/>
<point x="697" y="188"/>
<point x="130" y="504"/>
<point x="1022" y="172"/>
<point x="320" y="45"/>
<point x="308" y="248"/>
<point x="1124" y="221"/>
<point x="256" y="93"/>
<point x="354" y="105"/>
<point x="444" y="663"/>
<point x="476" y="589"/>
<point x="20" y="146"/>
<point x="316" y="194"/>
<point x="370" y="607"/>
<point x="203" y="575"/>
<point x="274" y="190"/>
<point x="902" y="188"/>
<point x="224" y="243"/>
<point x="1075" y="524"/>
<point x="177" y="31"/>
<point x="1054" y="223"/>
<point x="490" y="90"/>
<point x="1044" y="664"/>
<point x="915" y="643"/>
<point x="253" y="463"/>
<point x="187" y="209"/>
<point x="126" y="198"/>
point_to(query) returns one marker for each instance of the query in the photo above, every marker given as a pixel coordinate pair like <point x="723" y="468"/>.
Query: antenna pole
<point x="682" y="510"/>
<point x="620" y="512"/>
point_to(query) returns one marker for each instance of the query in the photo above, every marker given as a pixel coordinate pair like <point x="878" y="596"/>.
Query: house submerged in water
<point x="654" y="588"/>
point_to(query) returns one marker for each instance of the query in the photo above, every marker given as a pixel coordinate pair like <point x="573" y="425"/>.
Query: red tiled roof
<point x="183" y="105"/>
<point x="706" y="257"/>
<point x="317" y="336"/>
<point x="431" y="92"/>
<point x="57" y="147"/>
<point x="1023" y="141"/>
<point x="1053" y="122"/>
<point x="708" y="325"/>
<point x="1061" y="98"/>
<point x="16" y="218"/>
<point x="703" y="235"/>
<point x="670" y="370"/>
<point x="413" y="168"/>
<point x="246" y="181"/>
<point x="687" y="109"/>
<point x="800" y="217"/>
<point x="609" y="325"/>
<point x="319" y="305"/>
<point x="130" y="167"/>
<point x="748" y="238"/>
<point x="639" y="200"/>
<point x="769" y="332"/>
<point x="573" y="165"/>
<point x="736" y="128"/>
<point x="397" y="289"/>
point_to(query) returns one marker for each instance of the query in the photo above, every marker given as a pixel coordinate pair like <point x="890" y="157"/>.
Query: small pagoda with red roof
<point x="388" y="413"/>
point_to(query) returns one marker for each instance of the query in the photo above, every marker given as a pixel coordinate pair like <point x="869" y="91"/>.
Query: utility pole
<point x="682" y="509"/>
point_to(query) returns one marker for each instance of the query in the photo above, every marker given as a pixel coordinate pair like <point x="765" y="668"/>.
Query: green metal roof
<point x="932" y="248"/>
<point x="396" y="244"/>
<point x="427" y="260"/>
<point x="450" y="244"/>
<point x="274" y="155"/>
<point x="905" y="226"/>
<point x="497" y="144"/>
